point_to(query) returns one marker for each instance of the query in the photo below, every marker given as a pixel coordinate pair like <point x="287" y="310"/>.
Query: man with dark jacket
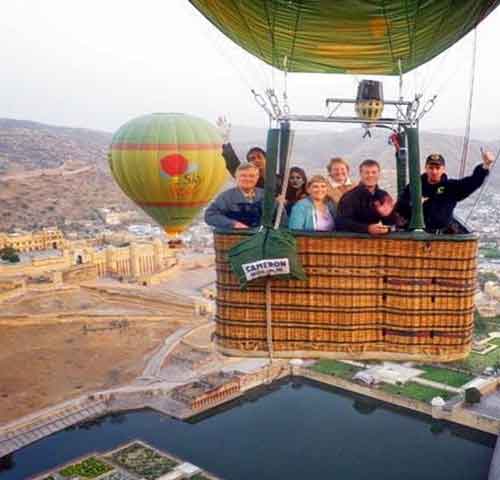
<point x="255" y="155"/>
<point x="441" y="194"/>
<point x="364" y="208"/>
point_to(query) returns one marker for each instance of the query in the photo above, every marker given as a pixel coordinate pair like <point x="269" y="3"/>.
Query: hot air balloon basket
<point x="402" y="297"/>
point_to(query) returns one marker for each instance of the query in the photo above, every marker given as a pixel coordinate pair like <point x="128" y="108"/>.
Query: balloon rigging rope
<point x="430" y="74"/>
<point x="294" y="38"/>
<point x="465" y="147"/>
<point x="258" y="71"/>
<point x="439" y="67"/>
<point x="389" y="34"/>
<point x="271" y="32"/>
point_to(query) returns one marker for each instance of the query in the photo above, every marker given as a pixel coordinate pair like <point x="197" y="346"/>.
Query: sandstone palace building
<point x="46" y="254"/>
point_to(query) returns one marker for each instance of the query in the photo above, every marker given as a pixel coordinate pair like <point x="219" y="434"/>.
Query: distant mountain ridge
<point x="26" y="145"/>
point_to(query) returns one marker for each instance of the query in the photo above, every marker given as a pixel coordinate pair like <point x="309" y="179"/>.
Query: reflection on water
<point x="7" y="462"/>
<point x="294" y="429"/>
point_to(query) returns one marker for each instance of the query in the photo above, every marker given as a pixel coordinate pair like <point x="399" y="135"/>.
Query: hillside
<point x="52" y="175"/>
<point x="26" y="146"/>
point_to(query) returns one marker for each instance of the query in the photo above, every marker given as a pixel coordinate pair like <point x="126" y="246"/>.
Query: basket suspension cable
<point x="440" y="67"/>
<point x="465" y="147"/>
<point x="261" y="101"/>
<point x="294" y="34"/>
<point x="275" y="104"/>
<point x="271" y="33"/>
<point x="437" y="68"/>
<point x="429" y="105"/>
<point x="400" y="68"/>
<point x="288" y="59"/>
<point x="286" y="106"/>
<point x="388" y="28"/>
<point x="429" y="76"/>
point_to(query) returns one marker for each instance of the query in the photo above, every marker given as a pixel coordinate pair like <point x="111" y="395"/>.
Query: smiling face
<point x="339" y="172"/>
<point x="247" y="179"/>
<point x="317" y="191"/>
<point x="434" y="172"/>
<point x="369" y="175"/>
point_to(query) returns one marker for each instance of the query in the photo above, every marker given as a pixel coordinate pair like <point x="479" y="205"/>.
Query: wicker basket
<point x="401" y="297"/>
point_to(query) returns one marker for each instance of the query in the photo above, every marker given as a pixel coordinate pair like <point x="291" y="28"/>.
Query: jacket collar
<point x="425" y="182"/>
<point x="362" y="186"/>
<point x="335" y="184"/>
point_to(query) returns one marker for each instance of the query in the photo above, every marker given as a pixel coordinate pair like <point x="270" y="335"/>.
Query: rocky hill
<point x="52" y="175"/>
<point x="26" y="146"/>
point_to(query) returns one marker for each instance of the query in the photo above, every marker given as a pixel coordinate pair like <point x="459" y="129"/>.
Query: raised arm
<point x="232" y="160"/>
<point x="466" y="186"/>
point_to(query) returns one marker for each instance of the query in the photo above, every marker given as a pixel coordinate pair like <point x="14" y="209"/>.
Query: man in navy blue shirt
<point x="441" y="194"/>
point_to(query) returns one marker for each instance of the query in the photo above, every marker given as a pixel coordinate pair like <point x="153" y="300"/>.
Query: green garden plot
<point x="336" y="368"/>
<point x="143" y="461"/>
<point x="446" y="376"/>
<point x="88" y="468"/>
<point x="476" y="362"/>
<point x="416" y="391"/>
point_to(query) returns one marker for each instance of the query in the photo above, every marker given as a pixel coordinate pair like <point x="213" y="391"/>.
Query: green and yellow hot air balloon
<point x="170" y="164"/>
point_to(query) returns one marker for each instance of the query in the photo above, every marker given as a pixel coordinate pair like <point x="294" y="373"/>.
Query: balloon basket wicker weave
<point x="402" y="297"/>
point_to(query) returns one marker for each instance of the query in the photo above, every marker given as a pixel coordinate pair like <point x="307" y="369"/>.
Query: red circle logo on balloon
<point x="174" y="165"/>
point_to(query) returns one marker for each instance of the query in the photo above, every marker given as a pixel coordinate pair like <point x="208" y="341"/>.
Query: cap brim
<point x="440" y="164"/>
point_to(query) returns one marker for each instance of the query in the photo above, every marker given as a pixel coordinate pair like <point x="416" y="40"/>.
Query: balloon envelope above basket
<point x="364" y="36"/>
<point x="169" y="164"/>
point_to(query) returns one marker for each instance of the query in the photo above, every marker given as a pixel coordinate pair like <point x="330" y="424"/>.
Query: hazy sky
<point x="98" y="63"/>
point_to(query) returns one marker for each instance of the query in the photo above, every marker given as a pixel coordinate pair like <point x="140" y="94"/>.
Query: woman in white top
<point x="338" y="179"/>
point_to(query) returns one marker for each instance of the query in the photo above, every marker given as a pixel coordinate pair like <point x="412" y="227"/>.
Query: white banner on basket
<point x="264" y="268"/>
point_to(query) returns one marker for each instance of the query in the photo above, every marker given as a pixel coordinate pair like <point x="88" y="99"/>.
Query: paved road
<point x="154" y="364"/>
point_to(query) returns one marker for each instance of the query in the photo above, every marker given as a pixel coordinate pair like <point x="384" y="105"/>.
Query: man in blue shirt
<point x="241" y="206"/>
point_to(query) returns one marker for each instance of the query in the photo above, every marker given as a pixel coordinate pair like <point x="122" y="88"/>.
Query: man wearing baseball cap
<point x="441" y="194"/>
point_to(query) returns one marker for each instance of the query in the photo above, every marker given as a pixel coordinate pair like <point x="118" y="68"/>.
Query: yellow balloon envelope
<point x="169" y="164"/>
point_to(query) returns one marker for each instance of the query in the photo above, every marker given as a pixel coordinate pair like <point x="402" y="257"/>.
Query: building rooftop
<point x="204" y="385"/>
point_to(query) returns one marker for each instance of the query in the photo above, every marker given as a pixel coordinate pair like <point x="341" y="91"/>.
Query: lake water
<point x="292" y="430"/>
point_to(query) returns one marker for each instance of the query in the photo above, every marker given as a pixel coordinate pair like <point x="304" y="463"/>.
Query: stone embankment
<point x="452" y="411"/>
<point x="31" y="428"/>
